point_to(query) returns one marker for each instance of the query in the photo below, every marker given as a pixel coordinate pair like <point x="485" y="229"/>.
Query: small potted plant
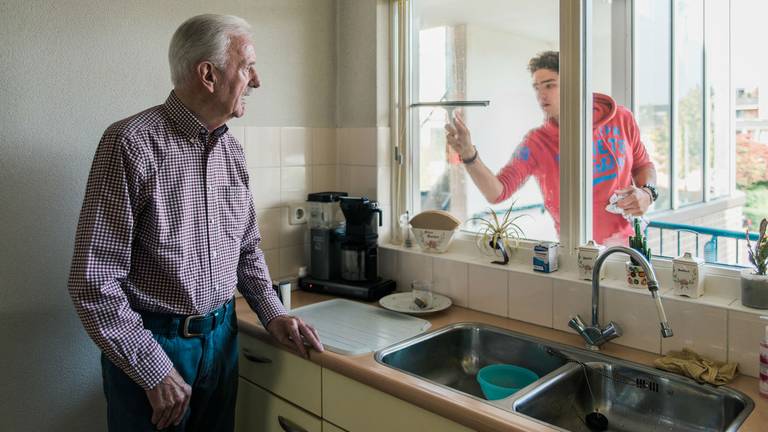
<point x="498" y="235"/>
<point x="636" y="277"/>
<point x="754" y="282"/>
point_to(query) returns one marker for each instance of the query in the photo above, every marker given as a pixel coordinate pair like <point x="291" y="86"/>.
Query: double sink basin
<point x="573" y="382"/>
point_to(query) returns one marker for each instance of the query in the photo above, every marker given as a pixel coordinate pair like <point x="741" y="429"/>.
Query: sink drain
<point x="596" y="421"/>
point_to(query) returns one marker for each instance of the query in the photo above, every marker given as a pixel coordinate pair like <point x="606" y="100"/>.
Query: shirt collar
<point x="187" y="123"/>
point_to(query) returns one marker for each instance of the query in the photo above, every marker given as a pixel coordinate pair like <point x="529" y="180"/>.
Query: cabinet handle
<point x="256" y="359"/>
<point x="289" y="426"/>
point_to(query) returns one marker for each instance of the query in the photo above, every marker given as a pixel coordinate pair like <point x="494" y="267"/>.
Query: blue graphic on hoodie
<point x="608" y="154"/>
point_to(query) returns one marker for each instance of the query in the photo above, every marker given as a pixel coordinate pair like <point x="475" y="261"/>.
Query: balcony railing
<point x="711" y="246"/>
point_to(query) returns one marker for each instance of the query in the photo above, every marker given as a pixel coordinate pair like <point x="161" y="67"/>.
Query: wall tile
<point x="239" y="133"/>
<point x="636" y="314"/>
<point x="357" y="146"/>
<point x="361" y="181"/>
<point x="291" y="235"/>
<point x="412" y="267"/>
<point x="530" y="298"/>
<point x="262" y="147"/>
<point x="386" y="227"/>
<point x="745" y="332"/>
<point x="324" y="178"/>
<point x="324" y="146"/>
<point x="291" y="258"/>
<point x="488" y="290"/>
<point x="451" y="278"/>
<point x="269" y="226"/>
<point x="388" y="267"/>
<point x="295" y="146"/>
<point x="701" y="328"/>
<point x="571" y="298"/>
<point x="265" y="187"/>
<point x="294" y="183"/>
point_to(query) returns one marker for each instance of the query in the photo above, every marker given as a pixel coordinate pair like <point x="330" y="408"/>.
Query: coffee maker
<point x="344" y="255"/>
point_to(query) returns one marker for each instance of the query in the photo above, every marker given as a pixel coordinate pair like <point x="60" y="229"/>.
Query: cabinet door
<point x="287" y="375"/>
<point x="330" y="427"/>
<point x="260" y="411"/>
<point x="359" y="408"/>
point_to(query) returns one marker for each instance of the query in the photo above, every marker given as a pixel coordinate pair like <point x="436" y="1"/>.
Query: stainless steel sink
<point x="631" y="396"/>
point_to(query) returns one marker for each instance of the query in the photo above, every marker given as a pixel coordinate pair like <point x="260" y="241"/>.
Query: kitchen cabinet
<point x="282" y="392"/>
<point x="260" y="411"/>
<point x="282" y="373"/>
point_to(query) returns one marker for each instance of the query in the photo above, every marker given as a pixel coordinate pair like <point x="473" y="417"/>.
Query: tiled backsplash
<point x="722" y="330"/>
<point x="287" y="163"/>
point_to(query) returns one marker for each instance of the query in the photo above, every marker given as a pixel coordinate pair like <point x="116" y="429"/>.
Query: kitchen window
<point x="690" y="70"/>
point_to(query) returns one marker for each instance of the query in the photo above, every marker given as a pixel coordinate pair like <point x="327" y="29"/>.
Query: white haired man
<point x="167" y="231"/>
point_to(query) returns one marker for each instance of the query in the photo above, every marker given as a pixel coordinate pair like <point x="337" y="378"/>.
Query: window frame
<point x="576" y="198"/>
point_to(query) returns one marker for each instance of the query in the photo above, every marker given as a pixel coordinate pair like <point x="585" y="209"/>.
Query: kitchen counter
<point x="456" y="406"/>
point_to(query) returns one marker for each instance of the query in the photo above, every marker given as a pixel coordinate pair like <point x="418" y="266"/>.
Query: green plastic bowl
<point x="501" y="380"/>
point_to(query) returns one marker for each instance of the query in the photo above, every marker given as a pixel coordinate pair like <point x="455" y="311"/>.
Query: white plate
<point x="403" y="302"/>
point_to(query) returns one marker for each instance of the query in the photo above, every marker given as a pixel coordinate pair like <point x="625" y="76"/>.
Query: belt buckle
<point x="185" y="330"/>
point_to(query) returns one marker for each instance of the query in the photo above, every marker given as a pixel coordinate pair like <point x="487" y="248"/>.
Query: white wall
<point x="69" y="70"/>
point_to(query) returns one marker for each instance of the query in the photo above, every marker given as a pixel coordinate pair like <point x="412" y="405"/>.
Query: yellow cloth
<point x="691" y="364"/>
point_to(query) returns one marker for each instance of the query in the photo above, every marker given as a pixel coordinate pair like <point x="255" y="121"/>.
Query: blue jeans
<point x="208" y="363"/>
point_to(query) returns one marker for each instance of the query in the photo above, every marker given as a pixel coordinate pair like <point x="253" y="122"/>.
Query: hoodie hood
<point x="603" y="110"/>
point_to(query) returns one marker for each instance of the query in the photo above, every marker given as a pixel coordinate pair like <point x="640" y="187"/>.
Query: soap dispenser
<point x="764" y="363"/>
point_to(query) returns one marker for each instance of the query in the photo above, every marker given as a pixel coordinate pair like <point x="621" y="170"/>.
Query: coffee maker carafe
<point x="359" y="250"/>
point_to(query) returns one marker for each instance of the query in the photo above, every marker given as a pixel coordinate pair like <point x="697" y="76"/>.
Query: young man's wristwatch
<point x="471" y="159"/>
<point x="651" y="189"/>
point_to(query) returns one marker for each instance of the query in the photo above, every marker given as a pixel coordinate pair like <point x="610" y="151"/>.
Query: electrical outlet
<point x="297" y="213"/>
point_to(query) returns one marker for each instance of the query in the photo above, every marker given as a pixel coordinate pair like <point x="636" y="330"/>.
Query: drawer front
<point x="330" y="427"/>
<point x="359" y="408"/>
<point x="260" y="411"/>
<point x="287" y="375"/>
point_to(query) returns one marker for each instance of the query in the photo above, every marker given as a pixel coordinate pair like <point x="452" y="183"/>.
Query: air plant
<point x="499" y="233"/>
<point x="639" y="243"/>
<point x="758" y="254"/>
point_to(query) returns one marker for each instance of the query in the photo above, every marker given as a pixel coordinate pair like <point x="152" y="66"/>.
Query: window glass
<point x="478" y="51"/>
<point x="653" y="89"/>
<point x="689" y="100"/>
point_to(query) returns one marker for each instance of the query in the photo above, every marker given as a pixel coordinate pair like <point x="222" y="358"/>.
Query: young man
<point x="166" y="233"/>
<point x="620" y="162"/>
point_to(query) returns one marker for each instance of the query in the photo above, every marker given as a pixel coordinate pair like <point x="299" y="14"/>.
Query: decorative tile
<point x="488" y="290"/>
<point x="530" y="298"/>
<point x="451" y="279"/>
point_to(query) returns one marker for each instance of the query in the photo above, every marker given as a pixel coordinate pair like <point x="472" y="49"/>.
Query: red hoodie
<point x="617" y="155"/>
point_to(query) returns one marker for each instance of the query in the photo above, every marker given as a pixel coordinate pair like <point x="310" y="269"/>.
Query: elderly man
<point x="166" y="233"/>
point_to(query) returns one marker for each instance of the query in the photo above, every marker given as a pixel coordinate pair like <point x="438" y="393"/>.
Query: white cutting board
<point x="352" y="328"/>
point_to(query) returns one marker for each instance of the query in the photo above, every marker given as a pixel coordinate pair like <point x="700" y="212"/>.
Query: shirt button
<point x="215" y="254"/>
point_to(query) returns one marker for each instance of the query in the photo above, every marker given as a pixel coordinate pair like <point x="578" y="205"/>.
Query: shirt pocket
<point x="233" y="210"/>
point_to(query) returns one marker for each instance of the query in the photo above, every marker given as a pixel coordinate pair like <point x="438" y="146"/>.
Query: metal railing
<point x="710" y="247"/>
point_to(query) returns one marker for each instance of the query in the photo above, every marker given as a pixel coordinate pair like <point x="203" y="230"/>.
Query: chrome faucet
<point x="595" y="335"/>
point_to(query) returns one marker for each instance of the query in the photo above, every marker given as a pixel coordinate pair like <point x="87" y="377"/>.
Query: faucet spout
<point x="596" y="335"/>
